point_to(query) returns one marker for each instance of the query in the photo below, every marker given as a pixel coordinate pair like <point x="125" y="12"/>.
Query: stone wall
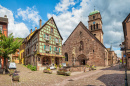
<point x="93" y="51"/>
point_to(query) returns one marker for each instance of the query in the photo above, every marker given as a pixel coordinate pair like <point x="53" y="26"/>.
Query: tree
<point x="8" y="46"/>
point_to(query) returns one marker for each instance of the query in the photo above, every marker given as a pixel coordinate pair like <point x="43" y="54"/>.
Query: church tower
<point x="95" y="25"/>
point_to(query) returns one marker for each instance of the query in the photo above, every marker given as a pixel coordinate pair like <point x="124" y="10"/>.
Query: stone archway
<point x="82" y="59"/>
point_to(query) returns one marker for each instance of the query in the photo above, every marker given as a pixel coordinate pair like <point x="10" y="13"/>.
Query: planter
<point x="60" y="72"/>
<point x="86" y="69"/>
<point x="67" y="73"/>
<point x="15" y="77"/>
<point x="64" y="72"/>
<point x="11" y="71"/>
<point x="47" y="71"/>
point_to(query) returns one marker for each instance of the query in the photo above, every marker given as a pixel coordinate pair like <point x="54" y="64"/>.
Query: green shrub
<point x="33" y="68"/>
<point x="60" y="66"/>
<point x="55" y="66"/>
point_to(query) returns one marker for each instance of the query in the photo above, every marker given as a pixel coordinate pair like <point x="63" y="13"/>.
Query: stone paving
<point x="102" y="77"/>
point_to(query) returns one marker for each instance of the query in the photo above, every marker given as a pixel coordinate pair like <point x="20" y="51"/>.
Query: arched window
<point x="93" y="17"/>
<point x="66" y="57"/>
<point x="81" y="46"/>
<point x="91" y="27"/>
<point x="97" y="26"/>
<point x="94" y="26"/>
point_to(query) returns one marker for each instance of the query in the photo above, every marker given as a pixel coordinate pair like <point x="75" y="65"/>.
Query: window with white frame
<point x="57" y="48"/>
<point x="56" y="40"/>
<point x="47" y="36"/>
<point x="47" y="48"/>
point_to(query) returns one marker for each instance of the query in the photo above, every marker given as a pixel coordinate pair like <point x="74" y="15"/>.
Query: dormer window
<point x="94" y="34"/>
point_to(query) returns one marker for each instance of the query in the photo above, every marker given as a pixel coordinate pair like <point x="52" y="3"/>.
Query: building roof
<point x="94" y="12"/>
<point x="108" y="49"/>
<point x="43" y="26"/>
<point x="85" y="28"/>
<point x="4" y="19"/>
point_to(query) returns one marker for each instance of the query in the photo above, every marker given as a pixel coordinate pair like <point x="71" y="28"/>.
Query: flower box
<point x="11" y="71"/>
<point x="15" y="77"/>
<point x="63" y="72"/>
<point x="47" y="71"/>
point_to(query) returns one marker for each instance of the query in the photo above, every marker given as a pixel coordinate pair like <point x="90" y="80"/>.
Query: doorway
<point x="57" y="61"/>
<point x="83" y="62"/>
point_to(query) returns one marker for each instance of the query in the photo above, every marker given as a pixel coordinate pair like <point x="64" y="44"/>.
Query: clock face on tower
<point x="94" y="22"/>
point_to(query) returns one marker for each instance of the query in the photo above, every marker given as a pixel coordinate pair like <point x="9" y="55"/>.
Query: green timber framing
<point x="49" y="46"/>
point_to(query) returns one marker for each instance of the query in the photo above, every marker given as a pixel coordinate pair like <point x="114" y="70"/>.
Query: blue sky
<point x="24" y="15"/>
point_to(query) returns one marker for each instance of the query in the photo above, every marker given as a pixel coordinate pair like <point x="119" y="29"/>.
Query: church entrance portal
<point x="82" y="59"/>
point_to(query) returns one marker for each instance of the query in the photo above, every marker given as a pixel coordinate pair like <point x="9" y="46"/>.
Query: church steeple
<point x="95" y="24"/>
<point x="111" y="47"/>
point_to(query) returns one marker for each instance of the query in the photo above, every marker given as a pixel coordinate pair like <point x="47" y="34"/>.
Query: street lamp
<point x="123" y="47"/>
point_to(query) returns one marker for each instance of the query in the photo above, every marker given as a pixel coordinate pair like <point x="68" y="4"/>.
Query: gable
<point x="51" y="24"/>
<point x="84" y="28"/>
<point x="126" y="19"/>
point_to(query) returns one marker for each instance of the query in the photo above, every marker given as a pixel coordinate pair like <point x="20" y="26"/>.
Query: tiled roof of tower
<point x="93" y="12"/>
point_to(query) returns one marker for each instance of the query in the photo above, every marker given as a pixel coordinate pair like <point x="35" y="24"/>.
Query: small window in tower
<point x="97" y="26"/>
<point x="93" y="17"/>
<point x="94" y="26"/>
<point x="94" y="34"/>
<point x="91" y="27"/>
<point x="93" y="51"/>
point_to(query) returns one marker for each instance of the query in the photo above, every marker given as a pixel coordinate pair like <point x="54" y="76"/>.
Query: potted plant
<point x="15" y="77"/>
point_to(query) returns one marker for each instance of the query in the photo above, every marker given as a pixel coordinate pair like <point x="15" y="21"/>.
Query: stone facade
<point x="85" y="46"/>
<point x="126" y="30"/>
<point x="82" y="48"/>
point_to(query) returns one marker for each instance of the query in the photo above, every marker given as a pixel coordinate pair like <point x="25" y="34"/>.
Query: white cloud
<point x="118" y="52"/>
<point x="64" y="5"/>
<point x="112" y="16"/>
<point x="30" y="14"/>
<point x="18" y="29"/>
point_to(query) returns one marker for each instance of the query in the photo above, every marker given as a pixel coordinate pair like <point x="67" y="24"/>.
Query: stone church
<point x="85" y="45"/>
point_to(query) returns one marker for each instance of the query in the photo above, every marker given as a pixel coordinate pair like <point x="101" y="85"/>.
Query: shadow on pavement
<point x="1" y="71"/>
<point x="116" y="67"/>
<point x="113" y="79"/>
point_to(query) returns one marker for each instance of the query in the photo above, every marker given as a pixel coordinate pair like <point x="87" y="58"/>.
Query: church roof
<point x="85" y="28"/>
<point x="94" y="12"/>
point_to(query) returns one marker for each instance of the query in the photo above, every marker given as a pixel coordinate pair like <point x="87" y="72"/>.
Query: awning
<point x="54" y="55"/>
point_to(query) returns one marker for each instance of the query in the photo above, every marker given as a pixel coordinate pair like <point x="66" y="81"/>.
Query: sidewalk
<point x="128" y="77"/>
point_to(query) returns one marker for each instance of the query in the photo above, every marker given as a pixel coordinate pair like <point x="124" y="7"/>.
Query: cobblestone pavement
<point x="112" y="76"/>
<point x="107" y="77"/>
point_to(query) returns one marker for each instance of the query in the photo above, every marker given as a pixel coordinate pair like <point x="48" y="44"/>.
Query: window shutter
<point x="50" y="37"/>
<point x="50" y="48"/>
<point x="59" y="49"/>
<point x="44" y="47"/>
<point x="54" y="39"/>
<point x="55" y="48"/>
<point x="44" y="35"/>
<point x="59" y="40"/>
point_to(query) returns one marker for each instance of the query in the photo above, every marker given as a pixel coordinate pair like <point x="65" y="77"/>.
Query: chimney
<point x="35" y="28"/>
<point x="31" y="30"/>
<point x="5" y="16"/>
<point x="40" y="23"/>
